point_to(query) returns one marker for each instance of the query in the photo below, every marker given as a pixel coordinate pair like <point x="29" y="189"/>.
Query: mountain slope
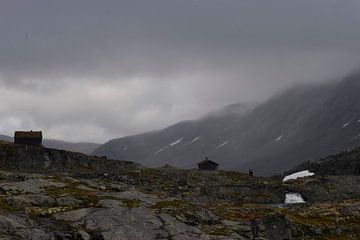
<point x="304" y="122"/>
<point x="185" y="140"/>
<point x="344" y="163"/>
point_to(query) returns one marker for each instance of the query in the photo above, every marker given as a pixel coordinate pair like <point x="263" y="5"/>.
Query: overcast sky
<point x="94" y="70"/>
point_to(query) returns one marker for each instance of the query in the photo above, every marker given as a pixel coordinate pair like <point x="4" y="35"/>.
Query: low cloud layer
<point x="94" y="70"/>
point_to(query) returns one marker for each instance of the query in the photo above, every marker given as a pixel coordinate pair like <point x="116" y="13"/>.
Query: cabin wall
<point x="207" y="166"/>
<point x="28" y="141"/>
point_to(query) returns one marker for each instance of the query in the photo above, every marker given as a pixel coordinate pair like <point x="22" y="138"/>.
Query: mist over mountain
<point x="305" y="122"/>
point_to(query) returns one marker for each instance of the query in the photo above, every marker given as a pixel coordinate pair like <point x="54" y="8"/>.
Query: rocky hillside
<point x="77" y="197"/>
<point x="304" y="122"/>
<point x="344" y="163"/>
<point x="81" y="147"/>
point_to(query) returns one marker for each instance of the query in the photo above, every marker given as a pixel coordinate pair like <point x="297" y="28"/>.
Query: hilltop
<point x="28" y="158"/>
<point x="82" y="147"/>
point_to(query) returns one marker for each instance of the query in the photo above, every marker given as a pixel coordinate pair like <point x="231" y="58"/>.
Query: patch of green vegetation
<point x="235" y="176"/>
<point x="239" y="212"/>
<point x="171" y="204"/>
<point x="81" y="168"/>
<point x="4" y="206"/>
<point x="45" y="211"/>
<point x="88" y="198"/>
<point x="176" y="208"/>
<point x="311" y="221"/>
<point x="130" y="203"/>
<point x="220" y="232"/>
<point x="327" y="217"/>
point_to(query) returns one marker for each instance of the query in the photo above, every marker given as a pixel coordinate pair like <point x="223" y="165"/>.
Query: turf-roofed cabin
<point x="28" y="137"/>
<point x="208" y="165"/>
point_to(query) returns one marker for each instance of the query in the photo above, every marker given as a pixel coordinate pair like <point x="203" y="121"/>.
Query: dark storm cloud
<point x="99" y="69"/>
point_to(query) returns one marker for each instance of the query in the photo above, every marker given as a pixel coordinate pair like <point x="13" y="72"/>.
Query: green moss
<point x="81" y="168"/>
<point x="220" y="232"/>
<point x="45" y="211"/>
<point x="181" y="210"/>
<point x="88" y="198"/>
<point x="239" y="212"/>
<point x="4" y="206"/>
<point x="130" y="203"/>
<point x="171" y="204"/>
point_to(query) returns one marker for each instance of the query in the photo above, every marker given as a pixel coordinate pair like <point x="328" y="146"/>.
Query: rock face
<point x="305" y="122"/>
<point x="28" y="158"/>
<point x="123" y="223"/>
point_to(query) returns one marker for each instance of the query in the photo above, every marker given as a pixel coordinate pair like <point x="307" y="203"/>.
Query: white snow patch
<point x="195" y="139"/>
<point x="160" y="150"/>
<point x="346" y="124"/>
<point x="176" y="142"/>
<point x="297" y="175"/>
<point x="223" y="144"/>
<point x="292" y="198"/>
<point x="279" y="138"/>
<point x="170" y="145"/>
<point x="356" y="137"/>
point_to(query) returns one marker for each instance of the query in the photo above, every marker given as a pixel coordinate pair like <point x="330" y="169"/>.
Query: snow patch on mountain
<point x="346" y="124"/>
<point x="279" y="138"/>
<point x="170" y="145"/>
<point x="301" y="174"/>
<point x="356" y="137"/>
<point x="223" y="144"/>
<point x="293" y="198"/>
<point x="176" y="142"/>
<point x="195" y="139"/>
<point x="160" y="150"/>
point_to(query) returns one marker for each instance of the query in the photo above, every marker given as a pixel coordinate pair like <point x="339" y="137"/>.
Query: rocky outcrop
<point x="122" y="223"/>
<point x="344" y="163"/>
<point x="28" y="158"/>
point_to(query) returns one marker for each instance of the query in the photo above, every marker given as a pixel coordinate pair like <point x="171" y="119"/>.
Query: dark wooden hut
<point x="28" y="137"/>
<point x="208" y="165"/>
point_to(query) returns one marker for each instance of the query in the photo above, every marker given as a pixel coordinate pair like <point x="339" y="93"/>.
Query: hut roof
<point x="208" y="161"/>
<point x="28" y="134"/>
